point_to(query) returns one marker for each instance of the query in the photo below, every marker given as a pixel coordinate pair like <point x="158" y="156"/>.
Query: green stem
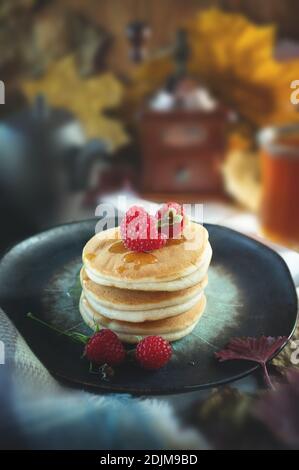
<point x="78" y="337"/>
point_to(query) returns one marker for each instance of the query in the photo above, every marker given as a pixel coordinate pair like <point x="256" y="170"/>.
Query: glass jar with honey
<point x="280" y="180"/>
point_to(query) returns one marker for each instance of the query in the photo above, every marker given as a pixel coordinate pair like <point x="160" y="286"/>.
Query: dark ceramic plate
<point x="250" y="293"/>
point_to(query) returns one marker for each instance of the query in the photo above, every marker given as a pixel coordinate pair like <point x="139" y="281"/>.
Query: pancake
<point x="140" y="316"/>
<point x="125" y="299"/>
<point x="139" y="306"/>
<point x="159" y="285"/>
<point x="108" y="262"/>
<point x="172" y="328"/>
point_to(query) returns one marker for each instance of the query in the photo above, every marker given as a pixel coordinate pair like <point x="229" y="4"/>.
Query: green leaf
<point x="76" y="336"/>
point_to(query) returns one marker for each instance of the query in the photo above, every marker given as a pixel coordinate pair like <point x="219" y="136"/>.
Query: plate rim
<point x="109" y="388"/>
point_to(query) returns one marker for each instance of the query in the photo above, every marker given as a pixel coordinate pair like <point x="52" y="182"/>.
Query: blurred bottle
<point x="182" y="132"/>
<point x="138" y="34"/>
<point x="280" y="195"/>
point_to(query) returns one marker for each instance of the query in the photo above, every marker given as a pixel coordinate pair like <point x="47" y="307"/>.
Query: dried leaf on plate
<point x="259" y="350"/>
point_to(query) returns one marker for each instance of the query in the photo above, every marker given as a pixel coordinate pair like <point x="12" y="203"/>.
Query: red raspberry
<point x="104" y="347"/>
<point x="153" y="352"/>
<point x="171" y="219"/>
<point x="139" y="231"/>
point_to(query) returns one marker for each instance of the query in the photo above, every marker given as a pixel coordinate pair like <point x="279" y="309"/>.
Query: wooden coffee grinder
<point x="182" y="134"/>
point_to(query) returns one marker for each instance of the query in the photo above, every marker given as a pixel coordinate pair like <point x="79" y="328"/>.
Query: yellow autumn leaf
<point x="86" y="98"/>
<point x="235" y="59"/>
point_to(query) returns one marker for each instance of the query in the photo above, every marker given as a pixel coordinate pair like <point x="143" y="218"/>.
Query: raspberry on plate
<point x="139" y="231"/>
<point x="153" y="352"/>
<point x="171" y="219"/>
<point x="104" y="347"/>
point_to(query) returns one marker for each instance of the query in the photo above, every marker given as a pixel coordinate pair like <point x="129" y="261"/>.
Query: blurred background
<point x="162" y="100"/>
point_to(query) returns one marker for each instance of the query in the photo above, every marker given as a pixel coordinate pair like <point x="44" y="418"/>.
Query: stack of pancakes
<point x="140" y="294"/>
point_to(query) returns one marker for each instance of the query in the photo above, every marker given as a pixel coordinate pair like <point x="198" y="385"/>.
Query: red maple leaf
<point x="259" y="350"/>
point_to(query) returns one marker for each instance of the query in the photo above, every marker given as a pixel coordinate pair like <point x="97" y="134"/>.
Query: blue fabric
<point x="36" y="412"/>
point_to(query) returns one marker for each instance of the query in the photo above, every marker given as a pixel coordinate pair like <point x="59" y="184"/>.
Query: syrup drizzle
<point x="118" y="248"/>
<point x="175" y="241"/>
<point x="139" y="259"/>
<point x="90" y="256"/>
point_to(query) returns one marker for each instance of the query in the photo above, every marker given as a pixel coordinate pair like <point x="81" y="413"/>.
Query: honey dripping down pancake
<point x="108" y="262"/>
<point x="142" y="293"/>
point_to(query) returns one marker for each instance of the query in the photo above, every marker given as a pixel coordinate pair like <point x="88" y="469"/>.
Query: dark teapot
<point x="44" y="157"/>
